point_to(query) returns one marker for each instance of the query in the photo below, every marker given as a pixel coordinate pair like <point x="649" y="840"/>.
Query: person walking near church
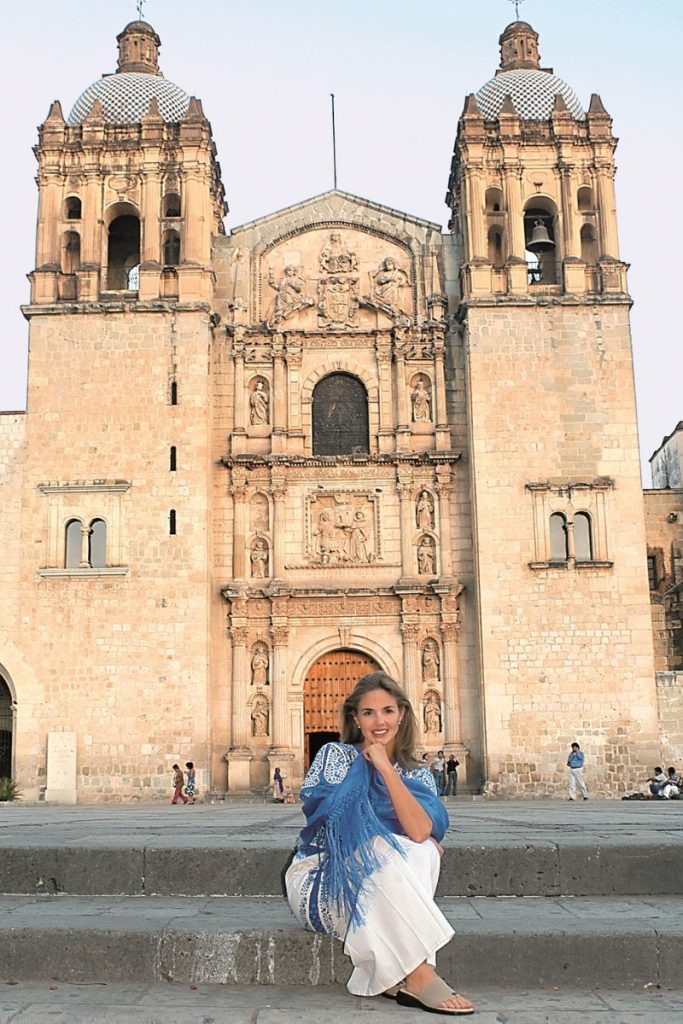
<point x="178" y="780"/>
<point x="452" y="765"/>
<point x="575" y="763"/>
<point x="438" y="769"/>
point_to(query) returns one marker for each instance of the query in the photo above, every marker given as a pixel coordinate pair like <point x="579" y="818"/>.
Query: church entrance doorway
<point x="327" y="683"/>
<point x="5" y="731"/>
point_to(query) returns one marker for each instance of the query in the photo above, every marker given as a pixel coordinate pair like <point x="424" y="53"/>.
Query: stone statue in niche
<point x="421" y="399"/>
<point x="290" y="296"/>
<point x="424" y="511"/>
<point x="336" y="258"/>
<point x="259" y="717"/>
<point x="259" y="666"/>
<point x="259" y="404"/>
<point x="432" y="712"/>
<point x="426" y="556"/>
<point x="259" y="558"/>
<point x="430" y="662"/>
<point x="342" y="530"/>
<point x="388" y="280"/>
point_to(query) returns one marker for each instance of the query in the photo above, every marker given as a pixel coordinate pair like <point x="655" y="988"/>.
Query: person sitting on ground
<point x="657" y="782"/>
<point x="367" y="862"/>
<point x="672" y="786"/>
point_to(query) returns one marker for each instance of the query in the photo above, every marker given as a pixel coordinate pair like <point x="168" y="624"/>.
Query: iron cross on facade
<point x="517" y="3"/>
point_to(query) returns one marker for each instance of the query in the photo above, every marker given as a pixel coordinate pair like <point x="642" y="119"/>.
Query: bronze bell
<point x="540" y="240"/>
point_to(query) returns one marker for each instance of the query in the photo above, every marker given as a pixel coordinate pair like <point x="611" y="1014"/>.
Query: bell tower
<point x="552" y="436"/>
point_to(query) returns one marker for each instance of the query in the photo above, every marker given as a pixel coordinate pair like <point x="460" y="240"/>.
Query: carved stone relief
<point x="421" y="398"/>
<point x="388" y="281"/>
<point x="260" y="716"/>
<point x="304" y="608"/>
<point x="290" y="295"/>
<point x="336" y="258"/>
<point x="338" y="285"/>
<point x="342" y="529"/>
<point x="258" y="513"/>
<point x="424" y="511"/>
<point x="431" y="666"/>
<point x="432" y="712"/>
<point x="259" y="402"/>
<point x="259" y="666"/>
<point x="259" y="558"/>
<point x="426" y="555"/>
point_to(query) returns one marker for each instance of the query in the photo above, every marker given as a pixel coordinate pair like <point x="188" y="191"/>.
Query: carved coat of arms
<point x="338" y="285"/>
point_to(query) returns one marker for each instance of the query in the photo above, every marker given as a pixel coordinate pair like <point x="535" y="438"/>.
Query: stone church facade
<point x="256" y="466"/>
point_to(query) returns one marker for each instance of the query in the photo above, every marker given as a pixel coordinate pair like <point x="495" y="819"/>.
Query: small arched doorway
<point x="327" y="683"/>
<point x="5" y="731"/>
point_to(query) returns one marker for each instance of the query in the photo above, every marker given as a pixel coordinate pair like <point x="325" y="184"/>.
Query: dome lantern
<point x="138" y="49"/>
<point x="519" y="47"/>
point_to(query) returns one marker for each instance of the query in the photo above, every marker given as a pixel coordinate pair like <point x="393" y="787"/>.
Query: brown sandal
<point x="431" y="999"/>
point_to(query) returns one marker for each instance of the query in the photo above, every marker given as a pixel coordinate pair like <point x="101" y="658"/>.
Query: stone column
<point x="240" y="688"/>
<point x="386" y="403"/>
<point x="238" y="490"/>
<point x="411" y="676"/>
<point x="478" y="241"/>
<point x="607" y="211"/>
<point x="443" y="434"/>
<point x="91" y="228"/>
<point x="150" y="249"/>
<point x="512" y="197"/>
<point x="279" y="492"/>
<point x="279" y="403"/>
<point x="451" y="684"/>
<point x="444" y="488"/>
<point x="194" y="222"/>
<point x="571" y="247"/>
<point x="404" y="486"/>
<point x="240" y="421"/>
<point x="280" y="724"/>
<point x="86" y="532"/>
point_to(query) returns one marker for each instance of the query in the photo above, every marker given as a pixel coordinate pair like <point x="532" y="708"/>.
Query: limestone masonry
<point x="256" y="466"/>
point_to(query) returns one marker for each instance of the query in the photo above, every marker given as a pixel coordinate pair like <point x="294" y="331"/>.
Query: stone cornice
<point x="129" y="306"/>
<point x="333" y="461"/>
<point x="81" y="487"/>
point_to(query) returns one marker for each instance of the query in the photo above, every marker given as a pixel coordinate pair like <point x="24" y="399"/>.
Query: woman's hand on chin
<point x="376" y="754"/>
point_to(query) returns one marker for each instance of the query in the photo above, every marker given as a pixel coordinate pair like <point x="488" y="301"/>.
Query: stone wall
<point x="664" y="528"/>
<point x="670" y="700"/>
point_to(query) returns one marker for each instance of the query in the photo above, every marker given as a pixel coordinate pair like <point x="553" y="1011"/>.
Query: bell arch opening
<point x="328" y="681"/>
<point x="6" y="730"/>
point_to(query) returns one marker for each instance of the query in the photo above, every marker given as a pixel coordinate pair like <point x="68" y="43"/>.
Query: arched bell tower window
<point x="340" y="416"/>
<point x="97" y="544"/>
<point x="495" y="247"/>
<point x="559" y="551"/>
<point x="589" y="252"/>
<point x="72" y="208"/>
<point x="123" y="255"/>
<point x="493" y="200"/>
<point x="73" y="544"/>
<point x="170" y="206"/>
<point x="540" y="240"/>
<point x="171" y="249"/>
<point x="585" y="199"/>
<point x="583" y="537"/>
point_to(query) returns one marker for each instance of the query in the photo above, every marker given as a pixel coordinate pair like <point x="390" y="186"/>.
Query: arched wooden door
<point x="5" y="730"/>
<point x="327" y="683"/>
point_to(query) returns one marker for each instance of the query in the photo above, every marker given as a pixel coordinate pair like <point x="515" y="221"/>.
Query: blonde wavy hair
<point x="406" y="738"/>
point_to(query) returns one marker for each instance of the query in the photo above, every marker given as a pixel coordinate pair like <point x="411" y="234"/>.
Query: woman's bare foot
<point x="422" y="976"/>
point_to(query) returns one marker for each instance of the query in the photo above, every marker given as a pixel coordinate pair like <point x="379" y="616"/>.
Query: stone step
<point x="252" y="867"/>
<point x="624" y="943"/>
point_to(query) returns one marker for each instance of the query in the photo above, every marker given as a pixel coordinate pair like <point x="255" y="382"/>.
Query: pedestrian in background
<point x="190" y="781"/>
<point x="575" y="763"/>
<point x="178" y="782"/>
<point x="657" y="782"/>
<point x="438" y="769"/>
<point x="452" y="776"/>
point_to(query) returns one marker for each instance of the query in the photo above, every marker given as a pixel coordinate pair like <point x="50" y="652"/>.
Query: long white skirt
<point x="403" y="926"/>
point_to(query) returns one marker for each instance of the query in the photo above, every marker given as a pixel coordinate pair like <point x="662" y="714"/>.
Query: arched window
<point x="558" y="538"/>
<point x="97" y="544"/>
<point x="493" y="200"/>
<point x="124" y="253"/>
<point x="589" y="253"/>
<point x="170" y="206"/>
<point x="540" y="241"/>
<point x="173" y="461"/>
<point x="73" y="544"/>
<point x="71" y="257"/>
<point x="496" y="246"/>
<point x="340" y="416"/>
<point x="585" y="199"/>
<point x="171" y="248"/>
<point x="6" y="728"/>
<point x="583" y="537"/>
<point x="72" y="208"/>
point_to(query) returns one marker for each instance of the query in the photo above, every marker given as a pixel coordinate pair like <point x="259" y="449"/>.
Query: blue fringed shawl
<point x="344" y="816"/>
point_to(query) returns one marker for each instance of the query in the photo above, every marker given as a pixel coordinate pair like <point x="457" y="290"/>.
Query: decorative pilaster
<point x="607" y="211"/>
<point x="239" y="401"/>
<point x="411" y="671"/>
<point x="280" y="728"/>
<point x="443" y="434"/>
<point x="476" y="212"/>
<point x="240" y="686"/>
<point x="386" y="399"/>
<point x="238" y="490"/>
<point x="279" y="443"/>
<point x="279" y="492"/>
<point x="294" y="360"/>
<point x="404" y="486"/>
<point x="444" y="488"/>
<point x="403" y="427"/>
<point x="86" y="532"/>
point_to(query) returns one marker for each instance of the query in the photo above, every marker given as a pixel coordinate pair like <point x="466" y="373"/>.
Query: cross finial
<point x="140" y="5"/>
<point x="517" y="3"/>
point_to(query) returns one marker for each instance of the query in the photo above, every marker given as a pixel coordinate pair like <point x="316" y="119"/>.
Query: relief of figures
<point x="259" y="558"/>
<point x="336" y="258"/>
<point x="388" y="280"/>
<point x="432" y="712"/>
<point x="290" y="295"/>
<point x="259" y="403"/>
<point x="260" y="717"/>
<point x="259" y="666"/>
<point x="426" y="556"/>
<point x="424" y="511"/>
<point x="342" y="530"/>
<point x="430" y="662"/>
<point x="421" y="400"/>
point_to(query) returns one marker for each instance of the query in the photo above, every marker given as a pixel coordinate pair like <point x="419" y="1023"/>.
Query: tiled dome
<point x="533" y="94"/>
<point x="126" y="96"/>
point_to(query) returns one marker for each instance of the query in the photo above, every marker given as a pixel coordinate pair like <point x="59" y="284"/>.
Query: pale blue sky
<point x="400" y="71"/>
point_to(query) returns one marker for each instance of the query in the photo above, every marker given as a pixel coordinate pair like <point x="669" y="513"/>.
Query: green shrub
<point x="9" y="790"/>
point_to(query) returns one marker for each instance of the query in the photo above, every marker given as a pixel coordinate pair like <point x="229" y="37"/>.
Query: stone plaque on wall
<point x="61" y="767"/>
